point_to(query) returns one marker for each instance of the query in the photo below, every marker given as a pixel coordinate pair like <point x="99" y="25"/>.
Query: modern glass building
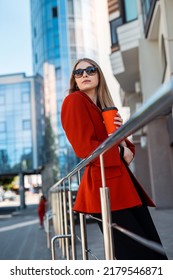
<point x="62" y="31"/>
<point x="21" y="124"/>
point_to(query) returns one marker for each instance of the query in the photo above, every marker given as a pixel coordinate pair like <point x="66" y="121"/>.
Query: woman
<point x="83" y="124"/>
<point x="41" y="210"/>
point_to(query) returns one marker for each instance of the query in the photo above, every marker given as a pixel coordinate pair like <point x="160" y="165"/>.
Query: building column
<point x="22" y="191"/>
<point x="160" y="162"/>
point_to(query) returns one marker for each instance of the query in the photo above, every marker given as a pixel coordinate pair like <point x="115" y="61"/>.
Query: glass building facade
<point x="21" y="123"/>
<point x="62" y="31"/>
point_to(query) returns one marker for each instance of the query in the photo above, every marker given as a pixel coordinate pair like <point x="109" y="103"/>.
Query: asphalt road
<point x="21" y="238"/>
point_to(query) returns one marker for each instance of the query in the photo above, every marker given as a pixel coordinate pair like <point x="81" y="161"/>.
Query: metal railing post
<point x="65" y="223"/>
<point x="62" y="223"/>
<point x="72" y="227"/>
<point x="83" y="230"/>
<point x="83" y="236"/>
<point x="48" y="231"/>
<point x="106" y="214"/>
<point x="58" y="216"/>
<point x="53" y="243"/>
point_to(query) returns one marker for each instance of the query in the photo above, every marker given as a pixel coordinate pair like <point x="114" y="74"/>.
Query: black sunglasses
<point x="91" y="71"/>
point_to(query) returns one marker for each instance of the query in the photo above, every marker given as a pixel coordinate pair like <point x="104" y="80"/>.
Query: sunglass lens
<point x="78" y="72"/>
<point x="91" y="70"/>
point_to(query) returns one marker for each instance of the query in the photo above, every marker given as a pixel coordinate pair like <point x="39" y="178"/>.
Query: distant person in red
<point x="42" y="209"/>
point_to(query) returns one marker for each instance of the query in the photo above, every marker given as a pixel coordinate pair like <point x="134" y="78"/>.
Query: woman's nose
<point x="84" y="73"/>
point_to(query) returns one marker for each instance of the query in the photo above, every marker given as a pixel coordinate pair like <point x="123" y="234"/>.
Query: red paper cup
<point x="108" y="117"/>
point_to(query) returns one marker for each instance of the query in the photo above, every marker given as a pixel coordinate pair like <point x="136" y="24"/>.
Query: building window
<point x="26" y="124"/>
<point x="164" y="60"/>
<point x="27" y="151"/>
<point x="147" y="11"/>
<point x="130" y="10"/>
<point x="2" y="99"/>
<point x="36" y="58"/>
<point x="58" y="72"/>
<point x="113" y="26"/>
<point x="54" y="12"/>
<point x="3" y="157"/>
<point x="2" y="126"/>
<point x="35" y="32"/>
<point x="25" y="97"/>
<point x="70" y="7"/>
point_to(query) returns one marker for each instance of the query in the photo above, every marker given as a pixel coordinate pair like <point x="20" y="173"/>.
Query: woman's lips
<point x="86" y="81"/>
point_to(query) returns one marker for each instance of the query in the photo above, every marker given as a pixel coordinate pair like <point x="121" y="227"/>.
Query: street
<point x="21" y="238"/>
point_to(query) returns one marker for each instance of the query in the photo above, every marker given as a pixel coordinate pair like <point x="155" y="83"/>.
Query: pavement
<point x="21" y="238"/>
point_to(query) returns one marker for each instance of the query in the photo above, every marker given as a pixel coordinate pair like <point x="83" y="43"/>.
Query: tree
<point x="7" y="182"/>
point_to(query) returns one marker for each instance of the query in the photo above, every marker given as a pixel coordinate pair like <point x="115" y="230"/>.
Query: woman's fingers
<point x="118" y="120"/>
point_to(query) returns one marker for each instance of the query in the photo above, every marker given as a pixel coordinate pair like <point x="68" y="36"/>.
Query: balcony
<point x="125" y="64"/>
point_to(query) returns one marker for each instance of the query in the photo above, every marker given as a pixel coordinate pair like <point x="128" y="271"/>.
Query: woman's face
<point x="88" y="82"/>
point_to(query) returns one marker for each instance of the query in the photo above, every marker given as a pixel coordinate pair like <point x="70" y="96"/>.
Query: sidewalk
<point x="163" y="219"/>
<point x="21" y="238"/>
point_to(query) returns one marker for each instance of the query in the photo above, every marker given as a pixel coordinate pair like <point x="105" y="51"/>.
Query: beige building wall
<point x="156" y="64"/>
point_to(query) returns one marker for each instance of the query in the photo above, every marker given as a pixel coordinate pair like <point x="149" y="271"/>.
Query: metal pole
<point x="72" y="227"/>
<point x="65" y="223"/>
<point x="83" y="236"/>
<point x="106" y="214"/>
<point x="62" y="224"/>
<point x="58" y="215"/>
<point x="53" y="243"/>
<point x="83" y="229"/>
<point x="48" y="235"/>
<point x="22" y="191"/>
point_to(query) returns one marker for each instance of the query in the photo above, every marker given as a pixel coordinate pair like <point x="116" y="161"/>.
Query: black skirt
<point x="139" y="221"/>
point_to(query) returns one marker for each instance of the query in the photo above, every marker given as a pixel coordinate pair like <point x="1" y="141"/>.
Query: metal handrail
<point x="48" y="217"/>
<point x="158" y="104"/>
<point x="153" y="107"/>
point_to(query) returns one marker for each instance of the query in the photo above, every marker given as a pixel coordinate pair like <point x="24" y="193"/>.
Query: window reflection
<point x="147" y="10"/>
<point x="113" y="26"/>
<point x="15" y="126"/>
<point x="26" y="125"/>
<point x="2" y="127"/>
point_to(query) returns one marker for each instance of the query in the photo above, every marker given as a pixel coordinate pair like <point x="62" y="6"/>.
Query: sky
<point x="15" y="37"/>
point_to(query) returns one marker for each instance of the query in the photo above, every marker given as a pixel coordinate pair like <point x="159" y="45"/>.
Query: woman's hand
<point x="118" y="120"/>
<point x="125" y="153"/>
<point x="128" y="155"/>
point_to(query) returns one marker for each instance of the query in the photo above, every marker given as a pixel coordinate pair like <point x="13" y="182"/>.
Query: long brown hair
<point x="103" y="95"/>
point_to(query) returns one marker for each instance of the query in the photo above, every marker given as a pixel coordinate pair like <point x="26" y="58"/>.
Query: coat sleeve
<point x="80" y="131"/>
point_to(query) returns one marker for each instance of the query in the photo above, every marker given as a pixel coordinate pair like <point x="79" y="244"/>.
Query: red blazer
<point x="83" y="124"/>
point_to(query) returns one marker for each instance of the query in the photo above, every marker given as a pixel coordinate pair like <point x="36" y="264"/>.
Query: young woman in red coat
<point x="42" y="210"/>
<point x="82" y="121"/>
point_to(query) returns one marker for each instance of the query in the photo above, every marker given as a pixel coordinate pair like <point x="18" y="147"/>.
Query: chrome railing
<point x="160" y="103"/>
